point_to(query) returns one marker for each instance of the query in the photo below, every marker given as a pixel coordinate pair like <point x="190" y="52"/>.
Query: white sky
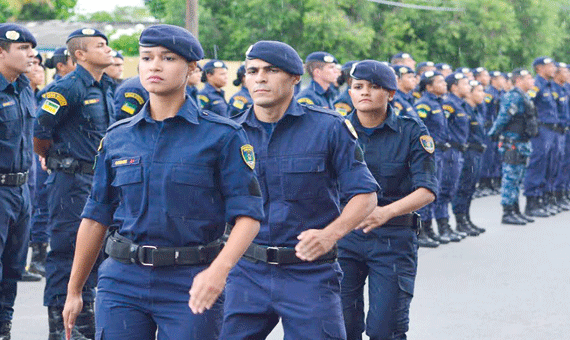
<point x="89" y="6"/>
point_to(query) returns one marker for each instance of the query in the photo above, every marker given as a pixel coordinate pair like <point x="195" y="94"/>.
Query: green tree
<point x="5" y="11"/>
<point x="128" y="44"/>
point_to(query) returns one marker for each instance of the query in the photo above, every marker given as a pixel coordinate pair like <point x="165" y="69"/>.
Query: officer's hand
<point x="73" y="306"/>
<point x="206" y="288"/>
<point x="43" y="163"/>
<point x="378" y="217"/>
<point x="314" y="243"/>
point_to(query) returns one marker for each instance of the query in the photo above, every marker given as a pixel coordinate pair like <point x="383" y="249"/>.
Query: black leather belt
<point x="70" y="165"/>
<point x="13" y="179"/>
<point x="554" y="127"/>
<point x="283" y="255"/>
<point x="123" y="250"/>
<point x="477" y="147"/>
<point x="442" y="146"/>
<point x="460" y="147"/>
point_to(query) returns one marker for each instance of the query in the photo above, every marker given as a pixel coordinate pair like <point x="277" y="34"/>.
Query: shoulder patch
<point x="135" y="96"/>
<point x="488" y="98"/>
<point x="398" y="106"/>
<point x="417" y="94"/>
<point x="128" y="108"/>
<point x="531" y="93"/>
<point x="57" y="96"/>
<point x="342" y="108"/>
<point x="305" y="101"/>
<point x="248" y="155"/>
<point x="203" y="98"/>
<point x="448" y="108"/>
<point x="427" y="143"/>
<point x="8" y="103"/>
<point x="423" y="107"/>
<point x="50" y="106"/>
<point x="351" y="128"/>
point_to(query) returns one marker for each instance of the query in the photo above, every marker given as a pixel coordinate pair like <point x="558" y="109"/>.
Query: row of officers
<point x="291" y="203"/>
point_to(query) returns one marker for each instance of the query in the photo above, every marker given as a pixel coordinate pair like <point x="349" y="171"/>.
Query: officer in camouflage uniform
<point x="516" y="123"/>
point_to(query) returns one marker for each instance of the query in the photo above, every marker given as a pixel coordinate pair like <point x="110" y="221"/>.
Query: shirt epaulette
<point x="216" y="118"/>
<point x="120" y="122"/>
<point x="320" y="109"/>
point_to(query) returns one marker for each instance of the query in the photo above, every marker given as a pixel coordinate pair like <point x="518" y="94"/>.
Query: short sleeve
<point x="422" y="159"/>
<point x="53" y="108"/>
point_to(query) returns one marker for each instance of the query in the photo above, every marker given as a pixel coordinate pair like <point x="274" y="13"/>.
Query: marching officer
<point x="403" y="99"/>
<point x="212" y="97"/>
<point x="321" y="66"/>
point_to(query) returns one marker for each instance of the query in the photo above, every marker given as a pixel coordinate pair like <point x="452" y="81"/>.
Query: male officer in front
<point x="307" y="160"/>
<point x="16" y="122"/>
<point x="321" y="66"/>
<point x="72" y="119"/>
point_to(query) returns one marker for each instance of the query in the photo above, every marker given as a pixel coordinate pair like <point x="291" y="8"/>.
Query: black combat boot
<point x="463" y="225"/>
<point x="38" y="263"/>
<point x="85" y="322"/>
<point x="509" y="216"/>
<point x="533" y="208"/>
<point x="485" y="187"/>
<point x="561" y="201"/>
<point x="56" y="329"/>
<point x="473" y="226"/>
<point x="445" y="230"/>
<point x="5" y="327"/>
<point x="496" y="181"/>
<point x="545" y="202"/>
<point x="521" y="215"/>
<point x="424" y="240"/>
<point x="428" y="229"/>
<point x="28" y="276"/>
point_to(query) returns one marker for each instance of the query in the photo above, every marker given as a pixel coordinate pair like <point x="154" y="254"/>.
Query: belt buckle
<point x="275" y="252"/>
<point x="141" y="251"/>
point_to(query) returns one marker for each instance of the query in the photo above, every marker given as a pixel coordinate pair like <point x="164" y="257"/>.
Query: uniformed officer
<point x="433" y="87"/>
<point x="482" y="76"/>
<point x="516" y="123"/>
<point x="321" y="67"/>
<point x="240" y="101"/>
<point x="399" y="152"/>
<point x="403" y="58"/>
<point x="342" y="103"/>
<point x="115" y="70"/>
<point x="558" y="183"/>
<point x="72" y="119"/>
<point x="539" y="173"/>
<point x="129" y="98"/>
<point x="566" y="162"/>
<point x="425" y="66"/>
<point x="16" y="121"/>
<point x="212" y="97"/>
<point x="471" y="170"/>
<point x="466" y="72"/>
<point x="459" y="130"/>
<point x="171" y="177"/>
<point x="403" y="99"/>
<point x="193" y="81"/>
<point x="62" y="62"/>
<point x="308" y="158"/>
<point x="444" y="69"/>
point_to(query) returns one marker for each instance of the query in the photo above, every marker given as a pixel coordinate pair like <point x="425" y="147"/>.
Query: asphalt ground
<point x="512" y="282"/>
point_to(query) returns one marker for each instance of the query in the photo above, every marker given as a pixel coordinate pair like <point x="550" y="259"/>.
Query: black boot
<point x="473" y="226"/>
<point x="509" y="216"/>
<point x="521" y="215"/>
<point x="533" y="208"/>
<point x="561" y="201"/>
<point x="463" y="225"/>
<point x="431" y="233"/>
<point x="38" y="263"/>
<point x="56" y="329"/>
<point x="485" y="187"/>
<point x="5" y="327"/>
<point x="445" y="230"/>
<point x="424" y="240"/>
<point x="85" y="322"/>
<point x="496" y="185"/>
<point x="28" y="276"/>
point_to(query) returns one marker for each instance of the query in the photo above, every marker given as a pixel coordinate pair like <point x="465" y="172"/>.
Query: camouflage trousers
<point x="513" y="176"/>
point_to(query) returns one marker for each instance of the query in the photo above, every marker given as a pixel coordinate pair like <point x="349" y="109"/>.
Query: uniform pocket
<point x="333" y="331"/>
<point x="192" y="193"/>
<point x="8" y="120"/>
<point x="304" y="178"/>
<point x="129" y="180"/>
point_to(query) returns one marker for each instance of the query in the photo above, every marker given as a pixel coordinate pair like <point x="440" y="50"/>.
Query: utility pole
<point x="192" y="16"/>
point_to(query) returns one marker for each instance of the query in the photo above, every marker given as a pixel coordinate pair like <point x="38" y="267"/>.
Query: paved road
<point x="509" y="283"/>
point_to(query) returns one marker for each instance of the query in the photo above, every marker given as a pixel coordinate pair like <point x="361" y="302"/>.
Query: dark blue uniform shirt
<point x="130" y="97"/>
<point x="213" y="100"/>
<point x="561" y="96"/>
<point x="492" y="99"/>
<point x="192" y="92"/>
<point x="457" y="119"/>
<point x="477" y="133"/>
<point x="396" y="156"/>
<point x="309" y="162"/>
<point x="429" y="109"/>
<point x="239" y="102"/>
<point x="343" y="103"/>
<point x="567" y="89"/>
<point x="544" y="101"/>
<point x="75" y="114"/>
<point x="402" y="105"/>
<point x="16" y="124"/>
<point x="175" y="182"/>
<point x="314" y="94"/>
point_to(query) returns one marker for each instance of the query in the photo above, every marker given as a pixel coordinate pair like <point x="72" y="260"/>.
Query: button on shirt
<point x="430" y="111"/>
<point x="75" y="114"/>
<point x="130" y="97"/>
<point x="309" y="162"/>
<point x="175" y="182"/>
<point x="314" y="94"/>
<point x="395" y="156"/>
<point x="16" y="123"/>
<point x="457" y="119"/>
<point x="213" y="100"/>
<point x="544" y="101"/>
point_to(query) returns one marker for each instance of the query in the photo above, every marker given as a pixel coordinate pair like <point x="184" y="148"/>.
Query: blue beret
<point x="277" y="54"/>
<point x="173" y="38"/>
<point x="478" y="70"/>
<point x="401" y="70"/>
<point x="442" y="66"/>
<point x="425" y="64"/>
<point x="402" y="55"/>
<point x="561" y="64"/>
<point x="321" y="56"/>
<point x="474" y="83"/>
<point x="61" y="51"/>
<point x="214" y="63"/>
<point x="520" y="72"/>
<point x="463" y="70"/>
<point x="348" y="65"/>
<point x="454" y="78"/>
<point x="86" y="32"/>
<point x="429" y="74"/>
<point x="542" y="61"/>
<point x="117" y="54"/>
<point x="376" y="73"/>
<point x="16" y="34"/>
<point x="495" y="74"/>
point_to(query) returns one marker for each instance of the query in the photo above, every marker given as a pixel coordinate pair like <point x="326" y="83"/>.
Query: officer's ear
<point x="191" y="67"/>
<point x="296" y="79"/>
<point x="391" y="95"/>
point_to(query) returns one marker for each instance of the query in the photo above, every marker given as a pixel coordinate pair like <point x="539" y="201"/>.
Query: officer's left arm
<point x="505" y="113"/>
<point x="357" y="186"/>
<point x="244" y="209"/>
